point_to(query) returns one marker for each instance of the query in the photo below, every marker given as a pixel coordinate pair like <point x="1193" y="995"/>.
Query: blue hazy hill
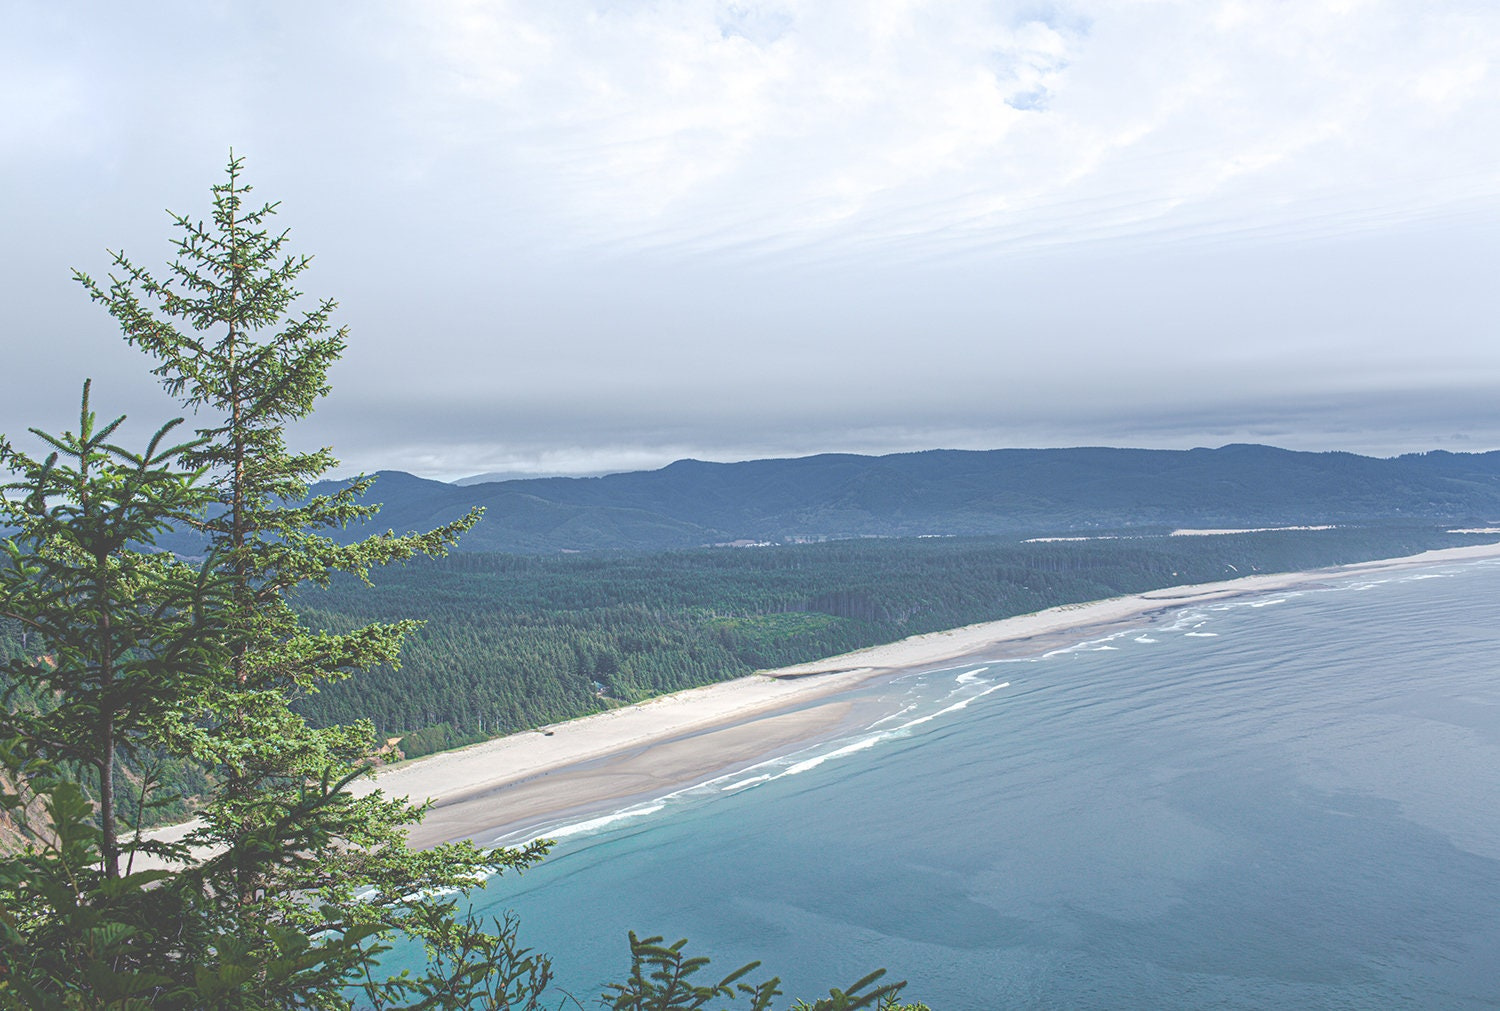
<point x="943" y="492"/>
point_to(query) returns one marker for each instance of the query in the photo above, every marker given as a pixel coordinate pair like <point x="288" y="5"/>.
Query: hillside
<point x="947" y="492"/>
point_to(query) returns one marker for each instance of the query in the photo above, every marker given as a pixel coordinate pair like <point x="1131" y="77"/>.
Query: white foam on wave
<point x="865" y="743"/>
<point x="1201" y="635"/>
<point x="1191" y="618"/>
<point x="1145" y="638"/>
<point x="1087" y="646"/>
<point x="764" y="772"/>
<point x="972" y="675"/>
<point x="950" y="709"/>
<point x="741" y="779"/>
<point x="894" y="716"/>
<point x="595" y="824"/>
<point x="741" y="784"/>
<point x="1077" y="647"/>
<point x="918" y="676"/>
<point x="1267" y="603"/>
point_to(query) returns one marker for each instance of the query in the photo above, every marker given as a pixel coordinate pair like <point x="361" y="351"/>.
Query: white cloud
<point x="724" y="226"/>
<point x="654" y="123"/>
<point x="852" y="125"/>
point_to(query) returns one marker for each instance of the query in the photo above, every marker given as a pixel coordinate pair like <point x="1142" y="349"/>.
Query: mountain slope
<point x="948" y="492"/>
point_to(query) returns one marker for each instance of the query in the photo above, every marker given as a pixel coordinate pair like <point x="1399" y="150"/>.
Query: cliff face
<point x="12" y="837"/>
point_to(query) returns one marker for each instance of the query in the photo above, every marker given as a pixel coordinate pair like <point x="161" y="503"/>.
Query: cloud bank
<point x="582" y="236"/>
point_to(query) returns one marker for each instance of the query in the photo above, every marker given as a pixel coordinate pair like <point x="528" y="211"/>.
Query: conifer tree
<point x="291" y="887"/>
<point x="300" y="877"/>
<point x="233" y="344"/>
<point x="133" y="640"/>
<point x="130" y="635"/>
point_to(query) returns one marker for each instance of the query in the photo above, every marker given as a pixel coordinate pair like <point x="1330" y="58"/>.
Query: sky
<point x="579" y="236"/>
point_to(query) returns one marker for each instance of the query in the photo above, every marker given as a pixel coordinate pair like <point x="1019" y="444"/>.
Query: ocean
<point x="1290" y="800"/>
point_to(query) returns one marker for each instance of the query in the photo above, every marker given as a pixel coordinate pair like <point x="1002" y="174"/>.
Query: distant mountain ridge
<point x="946" y="492"/>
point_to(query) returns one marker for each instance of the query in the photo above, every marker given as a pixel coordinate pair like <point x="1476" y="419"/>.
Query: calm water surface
<point x="1287" y="801"/>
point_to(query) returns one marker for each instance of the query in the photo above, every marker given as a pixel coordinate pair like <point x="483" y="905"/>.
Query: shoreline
<point x="606" y="762"/>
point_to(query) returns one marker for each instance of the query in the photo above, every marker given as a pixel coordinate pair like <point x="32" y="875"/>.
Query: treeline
<point x="514" y="642"/>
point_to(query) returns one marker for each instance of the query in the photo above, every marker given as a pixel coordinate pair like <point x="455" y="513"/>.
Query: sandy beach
<point x="518" y="785"/>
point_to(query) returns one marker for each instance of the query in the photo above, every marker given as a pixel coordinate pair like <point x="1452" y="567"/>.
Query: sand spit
<point x="521" y="783"/>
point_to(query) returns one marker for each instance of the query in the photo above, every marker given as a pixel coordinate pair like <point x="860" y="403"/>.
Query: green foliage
<point x="131" y="639"/>
<point x="283" y="893"/>
<point x="132" y="644"/>
<point x="511" y="643"/>
<point x="229" y="344"/>
<point x="661" y="980"/>
<point x="477" y="969"/>
<point x="290" y="886"/>
<point x="430" y="740"/>
<point x="67" y="932"/>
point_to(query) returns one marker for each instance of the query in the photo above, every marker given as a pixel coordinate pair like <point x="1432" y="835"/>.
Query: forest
<point x="250" y="681"/>
<point x="513" y="642"/>
<point x="140" y="683"/>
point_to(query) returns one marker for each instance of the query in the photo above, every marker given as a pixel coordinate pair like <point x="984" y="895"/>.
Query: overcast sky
<point x="573" y="236"/>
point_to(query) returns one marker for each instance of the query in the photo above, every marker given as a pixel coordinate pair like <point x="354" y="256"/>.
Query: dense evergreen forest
<point x="513" y="642"/>
<point x="517" y="641"/>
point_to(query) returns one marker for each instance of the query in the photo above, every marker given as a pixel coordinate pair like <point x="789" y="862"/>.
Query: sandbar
<point x="514" y="787"/>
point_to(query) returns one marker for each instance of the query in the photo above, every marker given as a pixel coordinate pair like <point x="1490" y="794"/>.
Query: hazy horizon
<point x="586" y="237"/>
<point x="495" y="477"/>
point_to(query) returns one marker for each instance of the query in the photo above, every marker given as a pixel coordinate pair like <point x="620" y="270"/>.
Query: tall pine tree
<point x="129" y="634"/>
<point x="232" y="345"/>
<point x="289" y="882"/>
<point x="291" y="885"/>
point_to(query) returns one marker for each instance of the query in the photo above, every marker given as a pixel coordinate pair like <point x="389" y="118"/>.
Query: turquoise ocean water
<point x="1291" y="800"/>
